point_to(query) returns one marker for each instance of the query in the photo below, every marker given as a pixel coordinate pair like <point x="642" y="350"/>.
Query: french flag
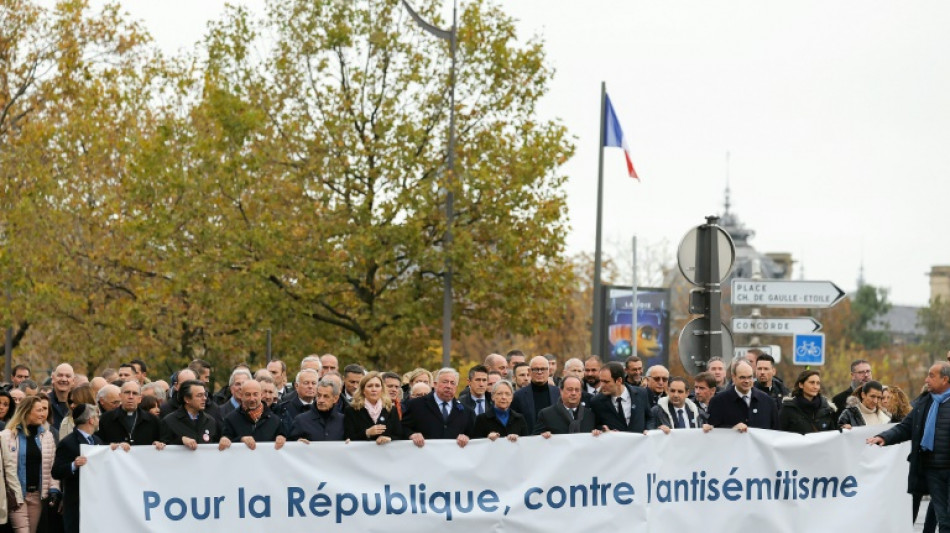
<point x="613" y="135"/>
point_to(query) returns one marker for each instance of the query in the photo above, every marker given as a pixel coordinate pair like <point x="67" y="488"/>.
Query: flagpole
<point x="596" y="341"/>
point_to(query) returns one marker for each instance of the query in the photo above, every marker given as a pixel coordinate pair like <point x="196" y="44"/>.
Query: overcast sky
<point x="836" y="115"/>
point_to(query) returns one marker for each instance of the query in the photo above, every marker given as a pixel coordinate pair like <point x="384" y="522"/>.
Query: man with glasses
<point x="860" y="374"/>
<point x="619" y="406"/>
<point x="657" y="379"/>
<point x="539" y="394"/>
<point x="129" y="423"/>
<point x="190" y="425"/>
<point x="742" y="406"/>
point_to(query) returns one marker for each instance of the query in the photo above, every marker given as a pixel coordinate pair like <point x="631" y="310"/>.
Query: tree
<point x="868" y="304"/>
<point x="293" y="184"/>
<point x="935" y="320"/>
<point x="326" y="161"/>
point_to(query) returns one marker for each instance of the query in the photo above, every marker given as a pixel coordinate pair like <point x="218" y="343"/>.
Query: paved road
<point x="919" y="524"/>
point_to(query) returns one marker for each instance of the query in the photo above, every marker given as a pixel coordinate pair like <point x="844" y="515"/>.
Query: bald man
<point x="539" y="394"/>
<point x="63" y="379"/>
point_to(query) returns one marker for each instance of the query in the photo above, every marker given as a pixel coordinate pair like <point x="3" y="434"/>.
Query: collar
<point x="84" y="434"/>
<point x="624" y="395"/>
<point x="749" y="394"/>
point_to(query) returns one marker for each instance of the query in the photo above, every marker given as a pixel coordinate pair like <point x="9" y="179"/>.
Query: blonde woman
<point x="28" y="449"/>
<point x="372" y="415"/>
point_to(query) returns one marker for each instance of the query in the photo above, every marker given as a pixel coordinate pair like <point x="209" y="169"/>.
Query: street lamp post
<point x="450" y="35"/>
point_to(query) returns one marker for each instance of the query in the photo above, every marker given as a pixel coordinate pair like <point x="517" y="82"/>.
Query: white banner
<point x="685" y="481"/>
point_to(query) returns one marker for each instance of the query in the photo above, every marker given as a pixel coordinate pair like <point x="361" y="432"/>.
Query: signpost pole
<point x="633" y="302"/>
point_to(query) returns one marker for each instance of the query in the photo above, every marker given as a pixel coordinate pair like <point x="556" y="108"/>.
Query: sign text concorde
<point x="776" y="326"/>
<point x="772" y="293"/>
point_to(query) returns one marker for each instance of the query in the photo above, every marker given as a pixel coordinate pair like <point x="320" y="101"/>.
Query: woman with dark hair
<point x="806" y="410"/>
<point x="7" y="406"/>
<point x="501" y="421"/>
<point x="896" y="403"/>
<point x="864" y="407"/>
<point x="151" y="404"/>
<point x="371" y="415"/>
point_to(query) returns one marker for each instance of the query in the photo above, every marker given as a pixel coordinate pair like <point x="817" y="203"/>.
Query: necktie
<point x="620" y="410"/>
<point x="445" y="410"/>
<point x="91" y="442"/>
<point x="573" y="413"/>
<point x="478" y="407"/>
<point x="680" y="421"/>
<point x="747" y="401"/>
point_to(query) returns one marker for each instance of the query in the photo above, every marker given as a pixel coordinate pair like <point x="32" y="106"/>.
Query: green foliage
<point x="181" y="208"/>
<point x="935" y="320"/>
<point x="868" y="304"/>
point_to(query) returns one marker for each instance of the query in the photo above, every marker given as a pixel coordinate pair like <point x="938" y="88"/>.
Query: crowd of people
<point x="506" y="397"/>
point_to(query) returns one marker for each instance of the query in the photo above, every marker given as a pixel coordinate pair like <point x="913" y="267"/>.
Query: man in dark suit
<point x="323" y="421"/>
<point x="128" y="423"/>
<point x="929" y="436"/>
<point x="568" y="415"/>
<point x="619" y="406"/>
<point x="476" y="396"/>
<point x="233" y="403"/>
<point x="438" y="415"/>
<point x="190" y="425"/>
<point x="295" y="404"/>
<point x="742" y="406"/>
<point x="68" y="461"/>
<point x="252" y="422"/>
<point x="860" y="374"/>
<point x="530" y="400"/>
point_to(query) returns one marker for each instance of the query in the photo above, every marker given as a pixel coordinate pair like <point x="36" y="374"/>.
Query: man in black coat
<point x="128" y="423"/>
<point x="539" y="394"/>
<point x="295" y="404"/>
<point x="438" y="415"/>
<point x="633" y="402"/>
<point x="742" y="406"/>
<point x="252" y="422"/>
<point x="476" y="396"/>
<point x="323" y="421"/>
<point x="929" y="461"/>
<point x="568" y="415"/>
<point x="68" y="461"/>
<point x="175" y="401"/>
<point x="860" y="374"/>
<point x="190" y="425"/>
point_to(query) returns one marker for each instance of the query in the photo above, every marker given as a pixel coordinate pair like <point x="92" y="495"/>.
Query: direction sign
<point x="782" y="293"/>
<point x="772" y="349"/>
<point x="809" y="349"/>
<point x="776" y="326"/>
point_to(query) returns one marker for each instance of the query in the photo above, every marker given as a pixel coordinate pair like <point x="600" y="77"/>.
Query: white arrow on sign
<point x="772" y="293"/>
<point x="776" y="326"/>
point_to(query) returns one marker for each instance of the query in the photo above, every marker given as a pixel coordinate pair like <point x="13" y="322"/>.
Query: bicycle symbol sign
<point x="809" y="349"/>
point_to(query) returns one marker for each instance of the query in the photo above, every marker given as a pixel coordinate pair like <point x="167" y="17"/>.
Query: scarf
<point x="873" y="418"/>
<point x="805" y="404"/>
<point x="374" y="410"/>
<point x="930" y="425"/>
<point x="502" y="416"/>
<point x="255" y="414"/>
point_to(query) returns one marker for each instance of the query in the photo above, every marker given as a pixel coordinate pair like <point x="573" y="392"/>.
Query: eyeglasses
<point x="539" y="370"/>
<point x="659" y="378"/>
<point x="743" y="378"/>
